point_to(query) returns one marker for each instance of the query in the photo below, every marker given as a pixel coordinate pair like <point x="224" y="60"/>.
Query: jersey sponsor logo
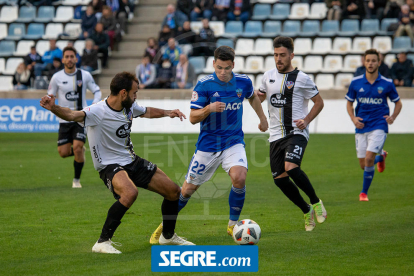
<point x="194" y="97"/>
<point x="274" y="174"/>
<point x="271" y="81"/>
<point x="278" y="100"/>
<point x="380" y="89"/>
<point x="370" y="100"/>
<point x="290" y="84"/>
<point x="79" y="83"/>
<point x="71" y="96"/>
<point x="96" y="155"/>
<point x="123" y="131"/>
<point x="233" y="106"/>
<point x="361" y="90"/>
<point x="216" y="95"/>
<point x="239" y="92"/>
<point x="65" y="82"/>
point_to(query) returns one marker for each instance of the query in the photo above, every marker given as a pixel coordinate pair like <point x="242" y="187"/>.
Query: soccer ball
<point x="247" y="231"/>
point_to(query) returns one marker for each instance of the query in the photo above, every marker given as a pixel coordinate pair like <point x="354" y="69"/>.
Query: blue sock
<point x="182" y="202"/>
<point x="236" y="202"/>
<point x="378" y="158"/>
<point x="368" y="176"/>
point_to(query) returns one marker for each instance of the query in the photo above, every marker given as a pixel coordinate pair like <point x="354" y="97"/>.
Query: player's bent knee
<point x="64" y="153"/>
<point x="78" y="151"/>
<point x="174" y="194"/>
<point x="239" y="181"/>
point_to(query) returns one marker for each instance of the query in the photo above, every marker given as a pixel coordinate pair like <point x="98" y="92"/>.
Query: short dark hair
<point x="33" y="47"/>
<point x="371" y="52"/>
<point x="224" y="53"/>
<point x="69" y="48"/>
<point x="284" y="41"/>
<point x="122" y="81"/>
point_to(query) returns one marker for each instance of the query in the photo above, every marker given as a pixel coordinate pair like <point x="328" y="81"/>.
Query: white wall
<point x="332" y="119"/>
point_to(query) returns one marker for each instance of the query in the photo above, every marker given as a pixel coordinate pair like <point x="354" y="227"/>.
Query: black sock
<point x="169" y="211"/>
<point x="78" y="169"/>
<point x="291" y="191"/>
<point x="302" y="181"/>
<point x="113" y="220"/>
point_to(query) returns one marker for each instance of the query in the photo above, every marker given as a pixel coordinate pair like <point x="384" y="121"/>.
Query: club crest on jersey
<point x="239" y="92"/>
<point x="290" y="84"/>
<point x="380" y="89"/>
<point x="192" y="176"/>
<point x="194" y="96"/>
<point x="79" y="83"/>
<point x="130" y="115"/>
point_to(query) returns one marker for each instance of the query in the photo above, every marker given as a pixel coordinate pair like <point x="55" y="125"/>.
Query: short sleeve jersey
<point x="372" y="103"/>
<point x="109" y="133"/>
<point x="220" y="131"/>
<point x="287" y="99"/>
<point x="64" y="87"/>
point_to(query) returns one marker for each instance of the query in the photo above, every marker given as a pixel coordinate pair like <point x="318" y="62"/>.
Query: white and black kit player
<point x="69" y="86"/>
<point x="288" y="91"/>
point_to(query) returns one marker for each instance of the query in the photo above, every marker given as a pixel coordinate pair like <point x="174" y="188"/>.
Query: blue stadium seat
<point x="280" y="11"/>
<point x="272" y="29"/>
<point x="35" y="31"/>
<point x="198" y="63"/>
<point x="233" y="28"/>
<point x="252" y="29"/>
<point x="329" y="28"/>
<point x="401" y="44"/>
<point x="349" y="27"/>
<point x="411" y="56"/>
<point x="26" y="14"/>
<point x="291" y="28"/>
<point x="310" y="28"/>
<point x="225" y="42"/>
<point x="16" y="31"/>
<point x="385" y="23"/>
<point x="261" y="11"/>
<point x="369" y="27"/>
<point x="79" y="11"/>
<point x="45" y="14"/>
<point x="7" y="48"/>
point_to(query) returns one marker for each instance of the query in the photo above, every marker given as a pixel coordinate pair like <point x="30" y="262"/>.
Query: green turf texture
<point x="48" y="228"/>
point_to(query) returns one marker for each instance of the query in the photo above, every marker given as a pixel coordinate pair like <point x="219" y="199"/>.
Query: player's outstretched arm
<point x="48" y="102"/>
<point x="390" y="119"/>
<point x="153" y="112"/>
<point x="257" y="106"/>
<point x="198" y="115"/>
<point x="316" y="109"/>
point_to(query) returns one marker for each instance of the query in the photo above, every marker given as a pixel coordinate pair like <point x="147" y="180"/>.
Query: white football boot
<point x="76" y="183"/>
<point x="106" y="247"/>
<point x="175" y="240"/>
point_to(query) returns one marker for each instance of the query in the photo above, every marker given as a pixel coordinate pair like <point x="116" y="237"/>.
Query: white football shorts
<point x="372" y="141"/>
<point x="203" y="165"/>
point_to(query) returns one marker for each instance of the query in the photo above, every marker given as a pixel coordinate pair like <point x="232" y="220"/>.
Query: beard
<point x="372" y="71"/>
<point x="127" y="103"/>
<point x="70" y="65"/>
<point x="283" y="69"/>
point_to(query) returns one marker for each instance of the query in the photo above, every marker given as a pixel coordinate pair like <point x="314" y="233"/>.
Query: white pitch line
<point x="166" y="143"/>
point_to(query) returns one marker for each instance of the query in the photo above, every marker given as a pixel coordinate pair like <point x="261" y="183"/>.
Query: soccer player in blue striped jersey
<point x="371" y="117"/>
<point x="217" y="104"/>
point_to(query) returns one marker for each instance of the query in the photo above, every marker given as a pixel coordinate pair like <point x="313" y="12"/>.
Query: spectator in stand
<point x="31" y="59"/>
<point x="184" y="74"/>
<point x="165" y="75"/>
<point x="394" y="8"/>
<point x="406" y="23"/>
<point x="185" y="7"/>
<point x="151" y="49"/>
<point x="88" y="23"/>
<point x="353" y="8"/>
<point x="334" y="9"/>
<point x="97" y="8"/>
<point x="202" y="8"/>
<point x="205" y="41"/>
<point x="21" y="78"/>
<point x="78" y="57"/>
<point x="410" y="3"/>
<point x="120" y="7"/>
<point x="402" y="71"/>
<point x="101" y="41"/>
<point x="186" y="38"/>
<point x="174" y="19"/>
<point x="57" y="66"/>
<point x="146" y="73"/>
<point x="375" y="9"/>
<point x="47" y="59"/>
<point x="165" y="34"/>
<point x="239" y="9"/>
<point x="173" y="52"/>
<point x="383" y="68"/>
<point x="109" y="24"/>
<point x="220" y="10"/>
<point x="89" y="57"/>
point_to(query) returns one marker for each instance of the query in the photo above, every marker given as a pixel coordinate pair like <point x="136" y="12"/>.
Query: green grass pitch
<point x="48" y="228"/>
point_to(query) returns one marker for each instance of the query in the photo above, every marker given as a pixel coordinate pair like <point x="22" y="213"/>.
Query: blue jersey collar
<point x="231" y="81"/>
<point x="377" y="79"/>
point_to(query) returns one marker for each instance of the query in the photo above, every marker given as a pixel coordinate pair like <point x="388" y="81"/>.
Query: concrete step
<point x="134" y="37"/>
<point x="103" y="82"/>
<point x="147" y="18"/>
<point x="133" y="46"/>
<point x="126" y="55"/>
<point x="158" y="3"/>
<point x="147" y="29"/>
<point x="151" y="11"/>
<point x="123" y="64"/>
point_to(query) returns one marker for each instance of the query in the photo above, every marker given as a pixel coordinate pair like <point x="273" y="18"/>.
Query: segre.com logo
<point x="205" y="258"/>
